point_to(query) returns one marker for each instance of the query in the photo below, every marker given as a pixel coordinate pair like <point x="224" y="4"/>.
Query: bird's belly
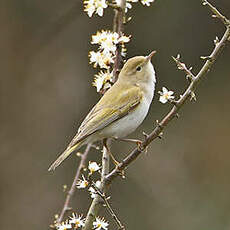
<point x="128" y="123"/>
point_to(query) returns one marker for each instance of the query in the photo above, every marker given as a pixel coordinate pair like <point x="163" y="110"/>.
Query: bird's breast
<point x="128" y="123"/>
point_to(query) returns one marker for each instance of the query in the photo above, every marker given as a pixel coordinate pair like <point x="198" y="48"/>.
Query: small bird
<point x="121" y="109"/>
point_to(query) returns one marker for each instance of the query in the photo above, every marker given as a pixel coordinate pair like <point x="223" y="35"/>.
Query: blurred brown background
<point x="45" y="92"/>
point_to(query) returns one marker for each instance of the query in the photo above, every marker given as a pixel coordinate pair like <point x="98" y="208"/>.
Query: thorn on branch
<point x="95" y="147"/>
<point x="146" y="149"/>
<point x="217" y="14"/>
<point x="173" y="102"/>
<point x="177" y="115"/>
<point x="192" y="96"/>
<point x="52" y="226"/>
<point x="140" y="147"/>
<point x="204" y="2"/>
<point x="125" y="21"/>
<point x="209" y="58"/>
<point x="69" y="208"/>
<point x="189" y="78"/>
<point x="160" y="136"/>
<point x="181" y="66"/>
<point x="79" y="154"/>
<point x="158" y="124"/>
<point x="216" y="41"/>
<point x="145" y="135"/>
<point x="117" y="71"/>
<point x="64" y="188"/>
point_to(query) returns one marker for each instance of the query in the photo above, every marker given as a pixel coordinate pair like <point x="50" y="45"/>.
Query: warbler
<point x="121" y="109"/>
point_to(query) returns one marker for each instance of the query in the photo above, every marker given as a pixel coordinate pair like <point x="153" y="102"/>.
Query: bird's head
<point x="138" y="69"/>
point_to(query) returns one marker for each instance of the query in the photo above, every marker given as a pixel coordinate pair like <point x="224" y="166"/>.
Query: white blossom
<point x="93" y="167"/>
<point x="128" y="4"/>
<point x="77" y="221"/>
<point x="101" y="59"/>
<point x="100" y="6"/>
<point x="100" y="223"/>
<point x="101" y="78"/>
<point x="99" y="37"/>
<point x="147" y="2"/>
<point x="89" y="7"/>
<point x="64" y="226"/>
<point x="82" y="183"/>
<point x="96" y="6"/>
<point x="109" y="44"/>
<point x="92" y="191"/>
<point x="124" y="39"/>
<point x="165" y="95"/>
<point x="108" y="40"/>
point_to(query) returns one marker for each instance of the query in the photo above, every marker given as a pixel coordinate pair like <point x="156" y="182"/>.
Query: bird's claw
<point x="121" y="172"/>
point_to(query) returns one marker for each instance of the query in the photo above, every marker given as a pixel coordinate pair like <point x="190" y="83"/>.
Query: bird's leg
<point x="111" y="155"/>
<point x="122" y="172"/>
<point x="135" y="141"/>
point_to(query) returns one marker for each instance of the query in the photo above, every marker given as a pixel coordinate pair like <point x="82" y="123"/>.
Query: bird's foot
<point x="121" y="172"/>
<point x="145" y="138"/>
<point x="135" y="141"/>
<point x="116" y="163"/>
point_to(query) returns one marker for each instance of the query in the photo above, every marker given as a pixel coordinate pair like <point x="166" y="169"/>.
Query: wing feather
<point x="107" y="111"/>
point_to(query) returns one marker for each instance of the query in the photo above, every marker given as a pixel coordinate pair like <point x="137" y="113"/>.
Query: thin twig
<point x="174" y="111"/>
<point x="217" y="13"/>
<point x="182" y="66"/>
<point x="112" y="213"/>
<point x="118" y="26"/>
<point x="71" y="192"/>
<point x="97" y="201"/>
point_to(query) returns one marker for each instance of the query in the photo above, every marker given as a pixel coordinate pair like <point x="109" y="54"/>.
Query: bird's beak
<point x="148" y="58"/>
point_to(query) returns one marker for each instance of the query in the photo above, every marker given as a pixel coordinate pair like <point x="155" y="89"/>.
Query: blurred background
<point x="45" y="92"/>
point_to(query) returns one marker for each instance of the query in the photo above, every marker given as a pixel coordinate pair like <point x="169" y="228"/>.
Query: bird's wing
<point x="104" y="113"/>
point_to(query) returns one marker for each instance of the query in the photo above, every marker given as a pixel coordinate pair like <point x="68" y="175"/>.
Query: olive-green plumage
<point x="122" y="108"/>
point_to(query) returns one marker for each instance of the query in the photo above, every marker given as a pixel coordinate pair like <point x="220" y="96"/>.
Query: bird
<point x="120" y="110"/>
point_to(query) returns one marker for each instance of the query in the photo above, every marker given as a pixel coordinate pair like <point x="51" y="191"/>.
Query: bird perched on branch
<point x="121" y="109"/>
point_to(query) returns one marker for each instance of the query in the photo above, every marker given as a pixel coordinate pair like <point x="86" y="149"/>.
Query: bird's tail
<point x="64" y="155"/>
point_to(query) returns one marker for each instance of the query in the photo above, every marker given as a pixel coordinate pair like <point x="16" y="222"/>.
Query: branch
<point x="118" y="26"/>
<point x="183" y="67"/>
<point x="216" y="13"/>
<point x="97" y="201"/>
<point x="112" y="213"/>
<point x="178" y="104"/>
<point x="72" y="190"/>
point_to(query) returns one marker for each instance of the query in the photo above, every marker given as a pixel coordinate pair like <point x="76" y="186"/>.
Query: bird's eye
<point x="138" y="68"/>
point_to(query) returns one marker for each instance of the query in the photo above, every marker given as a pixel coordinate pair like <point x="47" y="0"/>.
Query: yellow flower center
<point x="76" y="224"/>
<point x="166" y="95"/>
